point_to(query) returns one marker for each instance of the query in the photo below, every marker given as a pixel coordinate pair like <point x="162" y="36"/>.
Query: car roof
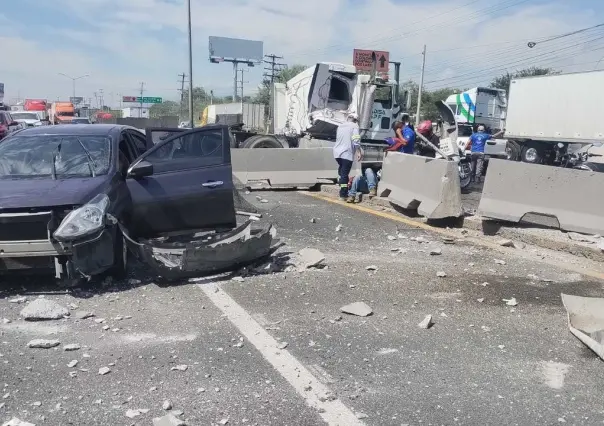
<point x="76" y="130"/>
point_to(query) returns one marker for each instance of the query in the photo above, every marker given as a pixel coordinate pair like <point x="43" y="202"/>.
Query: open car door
<point x="183" y="183"/>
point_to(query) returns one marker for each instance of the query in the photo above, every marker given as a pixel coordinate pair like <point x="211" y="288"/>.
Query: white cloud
<point x="145" y="40"/>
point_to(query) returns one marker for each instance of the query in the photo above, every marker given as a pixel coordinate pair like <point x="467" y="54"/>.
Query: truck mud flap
<point x="214" y="253"/>
<point x="95" y="255"/>
<point x="513" y="190"/>
<point x="284" y="168"/>
<point x="430" y="186"/>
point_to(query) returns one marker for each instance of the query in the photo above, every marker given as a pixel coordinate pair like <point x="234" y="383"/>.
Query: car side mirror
<point x="140" y="170"/>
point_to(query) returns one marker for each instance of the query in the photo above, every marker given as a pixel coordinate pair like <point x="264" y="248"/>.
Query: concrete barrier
<point x="428" y="185"/>
<point x="285" y="167"/>
<point x="574" y="197"/>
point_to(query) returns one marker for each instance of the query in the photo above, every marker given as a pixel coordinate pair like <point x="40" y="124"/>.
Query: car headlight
<point x="85" y="220"/>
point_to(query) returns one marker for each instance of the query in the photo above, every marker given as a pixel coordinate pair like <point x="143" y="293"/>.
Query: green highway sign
<point x="149" y="100"/>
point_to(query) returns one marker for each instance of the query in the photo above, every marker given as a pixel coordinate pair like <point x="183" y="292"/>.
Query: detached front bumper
<point x="214" y="253"/>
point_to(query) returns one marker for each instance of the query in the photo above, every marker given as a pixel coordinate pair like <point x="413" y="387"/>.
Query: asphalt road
<point x="276" y="350"/>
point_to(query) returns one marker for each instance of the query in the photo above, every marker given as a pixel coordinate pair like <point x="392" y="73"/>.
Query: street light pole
<point x="73" y="80"/>
<point x="190" y="66"/>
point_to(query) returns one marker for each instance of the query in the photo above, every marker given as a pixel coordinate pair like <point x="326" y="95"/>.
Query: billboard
<point x="234" y="48"/>
<point x="77" y="100"/>
<point x="128" y="98"/>
<point x="362" y="60"/>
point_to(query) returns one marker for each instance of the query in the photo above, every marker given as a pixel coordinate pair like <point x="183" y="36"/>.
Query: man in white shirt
<point x="346" y="149"/>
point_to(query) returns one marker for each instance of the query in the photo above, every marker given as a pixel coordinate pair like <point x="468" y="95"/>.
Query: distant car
<point x="29" y="118"/>
<point x="73" y="198"/>
<point x="8" y="125"/>
<point x="81" y="120"/>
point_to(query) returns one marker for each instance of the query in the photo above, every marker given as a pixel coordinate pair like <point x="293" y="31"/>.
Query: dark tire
<point x="513" y="151"/>
<point x="532" y="154"/>
<point x="262" y="141"/>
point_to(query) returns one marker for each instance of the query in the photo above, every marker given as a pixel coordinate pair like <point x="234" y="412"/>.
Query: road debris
<point x="360" y="309"/>
<point x="20" y="299"/>
<point x="104" y="370"/>
<point x="586" y="320"/>
<point x="371" y="268"/>
<point x="43" y="309"/>
<point x="426" y="323"/>
<point x="339" y="228"/>
<point x="436" y="252"/>
<point x="480" y="300"/>
<point x="506" y="243"/>
<point x="83" y="315"/>
<point x="167" y="405"/>
<point x="313" y="220"/>
<point x="181" y="367"/>
<point x="499" y="261"/>
<point x="168" y="420"/>
<point x="511" y="302"/>
<point x="283" y="345"/>
<point x="72" y="363"/>
<point x="391" y="237"/>
<point x="135" y="413"/>
<point x="43" y="343"/>
<point x="310" y="258"/>
<point x="519" y="245"/>
<point x="17" y="422"/>
<point x="441" y="274"/>
<point x="224" y="421"/>
<point x="6" y="321"/>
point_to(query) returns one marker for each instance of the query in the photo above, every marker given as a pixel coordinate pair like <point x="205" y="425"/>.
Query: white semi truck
<point x="549" y="117"/>
<point x="307" y="110"/>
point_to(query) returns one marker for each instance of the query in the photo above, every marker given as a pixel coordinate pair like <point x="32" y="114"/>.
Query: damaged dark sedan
<point x="74" y="198"/>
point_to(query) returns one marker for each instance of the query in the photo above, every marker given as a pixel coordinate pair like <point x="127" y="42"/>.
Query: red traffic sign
<point x="128" y="98"/>
<point x="363" y="60"/>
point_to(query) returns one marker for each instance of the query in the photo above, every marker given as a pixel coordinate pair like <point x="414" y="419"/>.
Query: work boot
<point x="351" y="200"/>
<point x="372" y="193"/>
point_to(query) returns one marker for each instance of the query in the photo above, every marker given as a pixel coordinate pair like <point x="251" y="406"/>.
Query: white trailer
<point x="548" y="114"/>
<point x="135" y="112"/>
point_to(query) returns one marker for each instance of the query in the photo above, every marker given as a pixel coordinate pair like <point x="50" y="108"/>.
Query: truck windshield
<point x="23" y="157"/>
<point x="65" y="113"/>
<point x="383" y="95"/>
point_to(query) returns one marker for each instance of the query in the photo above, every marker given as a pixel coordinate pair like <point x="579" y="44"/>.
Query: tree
<point x="164" y="109"/>
<point x="504" y="80"/>
<point x="264" y="94"/>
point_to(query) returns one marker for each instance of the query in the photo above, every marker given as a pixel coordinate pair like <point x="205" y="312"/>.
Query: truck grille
<point x="24" y="226"/>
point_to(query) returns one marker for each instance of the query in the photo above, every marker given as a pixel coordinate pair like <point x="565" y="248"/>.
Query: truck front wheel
<point x="513" y="151"/>
<point x="262" y="141"/>
<point x="533" y="154"/>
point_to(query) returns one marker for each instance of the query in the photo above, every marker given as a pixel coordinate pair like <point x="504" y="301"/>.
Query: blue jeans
<point x="363" y="183"/>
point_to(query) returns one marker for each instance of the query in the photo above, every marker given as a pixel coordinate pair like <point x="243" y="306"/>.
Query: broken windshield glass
<point x="32" y="156"/>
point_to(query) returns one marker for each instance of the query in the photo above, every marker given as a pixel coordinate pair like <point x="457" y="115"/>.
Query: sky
<point x="120" y="44"/>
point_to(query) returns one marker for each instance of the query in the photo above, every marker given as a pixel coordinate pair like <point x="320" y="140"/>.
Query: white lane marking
<point x="315" y="393"/>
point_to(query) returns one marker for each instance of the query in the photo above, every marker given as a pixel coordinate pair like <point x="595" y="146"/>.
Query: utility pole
<point x="140" y="111"/>
<point x="182" y="92"/>
<point x="421" y="86"/>
<point x="241" y="87"/>
<point x="96" y="99"/>
<point x="121" y="99"/>
<point x="270" y="75"/>
<point x="192" y="121"/>
<point x="73" y="80"/>
<point x="102" y="100"/>
<point x="211" y="97"/>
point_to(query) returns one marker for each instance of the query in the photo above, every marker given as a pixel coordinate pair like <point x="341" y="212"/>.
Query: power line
<point x="271" y="71"/>
<point x="533" y="44"/>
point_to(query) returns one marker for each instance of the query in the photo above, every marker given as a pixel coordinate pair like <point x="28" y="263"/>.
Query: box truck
<point x="550" y="117"/>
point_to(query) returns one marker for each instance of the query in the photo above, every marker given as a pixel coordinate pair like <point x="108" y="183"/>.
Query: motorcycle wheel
<point x="465" y="182"/>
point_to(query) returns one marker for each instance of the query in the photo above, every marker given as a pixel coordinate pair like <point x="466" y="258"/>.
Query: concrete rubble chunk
<point x="17" y="422"/>
<point x="135" y="413"/>
<point x="181" y="367"/>
<point x="360" y="309"/>
<point x="441" y="274"/>
<point x="499" y="261"/>
<point x="338" y="228"/>
<point x="167" y="405"/>
<point x="43" y="309"/>
<point x="20" y="299"/>
<point x="83" y="315"/>
<point x="519" y="245"/>
<point x="224" y="421"/>
<point x="506" y="243"/>
<point x="371" y="268"/>
<point x="43" y="343"/>
<point x="436" y="252"/>
<point x="104" y="370"/>
<point x="283" y="345"/>
<point x="168" y="420"/>
<point x="426" y="323"/>
<point x="311" y="258"/>
<point x="480" y="300"/>
<point x="511" y="302"/>
<point x="6" y="321"/>
<point x="72" y="363"/>
<point x="391" y="237"/>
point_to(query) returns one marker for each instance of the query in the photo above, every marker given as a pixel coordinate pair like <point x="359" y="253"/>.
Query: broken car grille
<point x="24" y="226"/>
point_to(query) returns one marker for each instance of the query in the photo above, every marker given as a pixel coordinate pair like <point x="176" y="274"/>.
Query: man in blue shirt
<point x="477" y="142"/>
<point x="404" y="139"/>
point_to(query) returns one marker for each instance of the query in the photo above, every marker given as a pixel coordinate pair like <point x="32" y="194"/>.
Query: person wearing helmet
<point x="425" y="128"/>
<point x="346" y="149"/>
<point x="477" y="143"/>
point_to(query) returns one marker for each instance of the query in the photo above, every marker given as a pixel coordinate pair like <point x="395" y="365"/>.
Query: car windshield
<point x="24" y="116"/>
<point x="65" y="113"/>
<point x="23" y="156"/>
